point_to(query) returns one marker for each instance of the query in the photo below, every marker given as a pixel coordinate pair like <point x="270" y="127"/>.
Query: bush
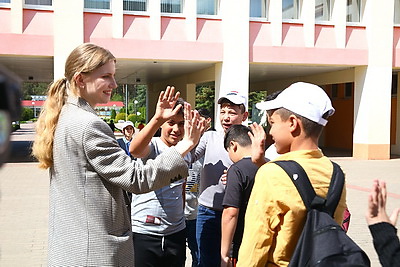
<point x="26" y="114"/>
<point x="120" y="116"/>
<point x="15" y="126"/>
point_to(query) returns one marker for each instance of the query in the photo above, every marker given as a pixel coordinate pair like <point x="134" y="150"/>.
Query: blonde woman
<point x="88" y="220"/>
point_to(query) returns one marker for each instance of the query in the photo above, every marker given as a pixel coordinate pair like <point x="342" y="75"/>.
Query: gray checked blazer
<point x="88" y="220"/>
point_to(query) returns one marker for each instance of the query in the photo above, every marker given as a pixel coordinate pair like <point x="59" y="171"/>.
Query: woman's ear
<point x="78" y="78"/>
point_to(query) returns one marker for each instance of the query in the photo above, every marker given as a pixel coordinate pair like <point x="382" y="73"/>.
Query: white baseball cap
<point x="235" y="97"/>
<point x="305" y="99"/>
<point x="126" y="124"/>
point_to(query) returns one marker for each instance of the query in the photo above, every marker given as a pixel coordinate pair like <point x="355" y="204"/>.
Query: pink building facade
<point x="243" y="45"/>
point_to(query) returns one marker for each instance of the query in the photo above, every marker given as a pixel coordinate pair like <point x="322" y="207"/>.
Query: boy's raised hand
<point x="166" y="102"/>
<point x="257" y="136"/>
<point x="194" y="127"/>
<point x="376" y="212"/>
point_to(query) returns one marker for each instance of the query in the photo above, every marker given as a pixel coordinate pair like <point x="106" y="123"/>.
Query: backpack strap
<point x="311" y="200"/>
<point x="335" y="189"/>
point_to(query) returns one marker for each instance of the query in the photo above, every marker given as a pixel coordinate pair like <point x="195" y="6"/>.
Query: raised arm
<point x="194" y="127"/>
<point x="164" y="110"/>
<point x="257" y="136"/>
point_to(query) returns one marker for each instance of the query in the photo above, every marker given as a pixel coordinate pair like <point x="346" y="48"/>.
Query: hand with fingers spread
<point x="382" y="227"/>
<point x="194" y="127"/>
<point x="257" y="136"/>
<point x="165" y="105"/>
<point x="377" y="205"/>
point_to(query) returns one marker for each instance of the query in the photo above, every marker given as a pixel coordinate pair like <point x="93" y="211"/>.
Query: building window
<point x="258" y="8"/>
<point x="353" y="11"/>
<point x="5" y="1"/>
<point x="38" y="2"/>
<point x="394" y="84"/>
<point x="207" y="7"/>
<point x="135" y="5"/>
<point x="323" y="10"/>
<point x="334" y="91"/>
<point x="397" y="12"/>
<point x="348" y="90"/>
<point x="290" y="9"/>
<point x="171" y="6"/>
<point x="97" y="4"/>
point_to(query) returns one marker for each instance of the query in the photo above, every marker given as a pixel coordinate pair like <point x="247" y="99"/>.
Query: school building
<point x="348" y="47"/>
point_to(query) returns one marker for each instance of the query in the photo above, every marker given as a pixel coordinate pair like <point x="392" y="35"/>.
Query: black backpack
<point x="322" y="242"/>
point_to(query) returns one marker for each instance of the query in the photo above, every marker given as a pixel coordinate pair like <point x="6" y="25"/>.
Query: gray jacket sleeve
<point x="110" y="162"/>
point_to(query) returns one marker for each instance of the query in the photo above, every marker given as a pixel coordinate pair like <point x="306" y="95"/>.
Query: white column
<point x="373" y="85"/>
<point x="154" y="9"/>
<point x="218" y="81"/>
<point x="68" y="33"/>
<point x="17" y="14"/>
<point x="233" y="72"/>
<point x="308" y="17"/>
<point x="190" y="12"/>
<point x="117" y="18"/>
<point x="339" y="19"/>
<point x="275" y="17"/>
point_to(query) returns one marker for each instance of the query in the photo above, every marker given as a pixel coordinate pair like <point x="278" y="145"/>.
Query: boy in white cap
<point x="275" y="213"/>
<point x="233" y="110"/>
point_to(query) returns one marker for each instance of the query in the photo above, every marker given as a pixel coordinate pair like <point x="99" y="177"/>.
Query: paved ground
<point x="24" y="201"/>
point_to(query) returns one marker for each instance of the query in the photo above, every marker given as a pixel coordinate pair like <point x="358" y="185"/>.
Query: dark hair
<point x="205" y="113"/>
<point x="273" y="95"/>
<point x="237" y="133"/>
<point x="311" y="128"/>
<point x="180" y="101"/>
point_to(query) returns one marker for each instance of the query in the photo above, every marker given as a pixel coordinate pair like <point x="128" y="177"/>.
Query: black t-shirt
<point x="240" y="180"/>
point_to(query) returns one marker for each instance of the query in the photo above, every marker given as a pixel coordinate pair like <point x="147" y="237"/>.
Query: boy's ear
<point x="233" y="145"/>
<point x="245" y="115"/>
<point x="294" y="124"/>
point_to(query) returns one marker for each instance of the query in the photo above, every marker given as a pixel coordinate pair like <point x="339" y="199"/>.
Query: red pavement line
<point x="360" y="188"/>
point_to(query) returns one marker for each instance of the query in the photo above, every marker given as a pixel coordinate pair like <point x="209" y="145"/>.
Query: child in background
<point x="240" y="180"/>
<point x="128" y="131"/>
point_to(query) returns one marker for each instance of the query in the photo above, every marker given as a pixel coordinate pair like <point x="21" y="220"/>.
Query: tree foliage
<point x="113" y="114"/>
<point x="33" y="88"/>
<point x="26" y="114"/>
<point x="254" y="98"/>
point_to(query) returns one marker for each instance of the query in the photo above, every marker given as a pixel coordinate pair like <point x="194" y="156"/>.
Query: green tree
<point x="205" y="96"/>
<point x="117" y="97"/>
<point x="254" y="98"/>
<point x="141" y="92"/>
<point x="26" y="114"/>
<point x="33" y="88"/>
<point x="113" y="114"/>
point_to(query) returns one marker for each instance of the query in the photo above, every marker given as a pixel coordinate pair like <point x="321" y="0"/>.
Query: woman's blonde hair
<point x="83" y="60"/>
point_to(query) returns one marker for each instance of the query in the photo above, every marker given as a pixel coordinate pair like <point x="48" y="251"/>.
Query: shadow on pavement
<point x="20" y="151"/>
